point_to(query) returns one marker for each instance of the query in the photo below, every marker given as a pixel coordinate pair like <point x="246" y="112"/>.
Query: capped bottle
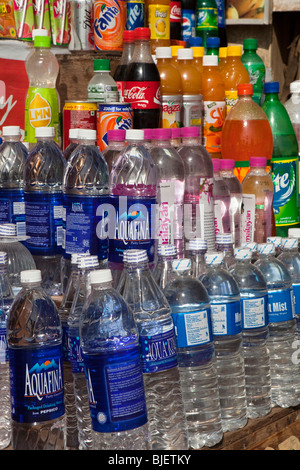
<point x="233" y="73"/>
<point x="116" y="143"/>
<point x="222" y="201"/>
<point x="102" y="88"/>
<point x="73" y="138"/>
<point x="225" y="245"/>
<point x="188" y="23"/>
<point x="120" y="72"/>
<point x="255" y="67"/>
<point x="197" y="250"/>
<point x="163" y="270"/>
<point x="292" y="107"/>
<point x="206" y="20"/>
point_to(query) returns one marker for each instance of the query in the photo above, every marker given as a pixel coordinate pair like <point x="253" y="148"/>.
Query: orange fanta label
<point x="214" y="112"/>
<point x="109" y="24"/>
<point x="112" y="116"/>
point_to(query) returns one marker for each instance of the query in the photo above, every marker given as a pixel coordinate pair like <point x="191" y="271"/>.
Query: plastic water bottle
<point x="6" y="300"/>
<point x="116" y="143"/>
<point x="13" y="154"/>
<point x="43" y="176"/>
<point x="224" y="295"/>
<point x="277" y="243"/>
<point x="73" y="137"/>
<point x="236" y="197"/>
<point x="190" y="308"/>
<point x="170" y="190"/>
<point x="19" y="257"/>
<point x="254" y="307"/>
<point x="282" y="340"/>
<point x="294" y="233"/>
<point x="224" y="244"/>
<point x="253" y="246"/>
<point x="152" y="315"/>
<point x="110" y="346"/>
<point x="163" y="270"/>
<point x="102" y="88"/>
<point x="86" y="265"/>
<point x="197" y="250"/>
<point x="34" y="337"/>
<point x="222" y="200"/>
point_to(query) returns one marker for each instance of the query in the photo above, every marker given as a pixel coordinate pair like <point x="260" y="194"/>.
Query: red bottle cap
<point x="245" y="89"/>
<point x="142" y="33"/>
<point x="128" y="36"/>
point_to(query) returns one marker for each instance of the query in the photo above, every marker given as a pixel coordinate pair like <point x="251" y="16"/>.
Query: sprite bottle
<point x="255" y="67"/>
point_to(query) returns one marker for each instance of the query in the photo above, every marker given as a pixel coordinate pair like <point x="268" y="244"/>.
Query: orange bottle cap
<point x="245" y="89"/>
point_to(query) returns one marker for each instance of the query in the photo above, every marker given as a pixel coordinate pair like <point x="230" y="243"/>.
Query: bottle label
<point x="281" y="305"/>
<point x="116" y="391"/>
<point x="285" y="176"/>
<point x="188" y="25"/>
<point x="75" y="354"/>
<point x="85" y="225"/>
<point x="248" y="218"/>
<point x="231" y="97"/>
<point x="158" y="352"/>
<point x="214" y="113"/>
<point x="257" y="76"/>
<point x="142" y="95"/>
<point x="132" y="225"/>
<point x="37" y="385"/>
<point x="192" y="110"/>
<point x="135" y="14"/>
<point x="192" y="329"/>
<point x="159" y="21"/>
<point x="226" y="318"/>
<point x="3" y="346"/>
<point x="171" y="106"/>
<point x="175" y="12"/>
<point x="41" y="110"/>
<point x="206" y="19"/>
<point x="254" y="312"/>
<point x="169" y="224"/>
<point x="102" y="93"/>
<point x="296" y="291"/>
<point x="12" y="210"/>
<point x="44" y="223"/>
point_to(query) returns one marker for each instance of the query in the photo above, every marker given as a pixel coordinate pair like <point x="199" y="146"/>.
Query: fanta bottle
<point x="246" y="132"/>
<point x="159" y="23"/>
<point x="170" y="88"/>
<point x="214" y="105"/>
<point x="233" y="73"/>
<point x="109" y="24"/>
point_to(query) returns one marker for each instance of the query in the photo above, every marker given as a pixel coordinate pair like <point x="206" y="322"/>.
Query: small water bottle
<point x="6" y="300"/>
<point x="163" y="269"/>
<point x="282" y="340"/>
<point x="254" y="307"/>
<point x="294" y="233"/>
<point x="190" y="308"/>
<point x="224" y="295"/>
<point x="152" y="315"/>
<point x="277" y="243"/>
<point x="253" y="246"/>
<point x="197" y="250"/>
<point x="224" y="244"/>
<point x="110" y="346"/>
<point x="116" y="143"/>
<point x="73" y="138"/>
<point x="34" y="337"/>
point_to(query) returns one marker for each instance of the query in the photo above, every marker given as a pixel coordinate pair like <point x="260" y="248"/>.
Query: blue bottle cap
<point x="271" y="87"/>
<point x="213" y="42"/>
<point x="195" y="42"/>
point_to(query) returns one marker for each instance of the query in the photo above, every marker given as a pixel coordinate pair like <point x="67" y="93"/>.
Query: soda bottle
<point x="152" y="315"/>
<point x="246" y="132"/>
<point x="189" y="303"/>
<point x="222" y="23"/>
<point x="175" y="19"/>
<point x="159" y="23"/>
<point x="116" y="143"/>
<point x="34" y="339"/>
<point x="188" y="23"/>
<point x="214" y="105"/>
<point x="255" y="330"/>
<point x="170" y="88"/>
<point x="13" y="154"/>
<point x="224" y="295"/>
<point x="292" y="107"/>
<point x="236" y="198"/>
<point x="120" y="72"/>
<point x="142" y="83"/>
<point x="284" y="370"/>
<point x="233" y="74"/>
<point x="212" y="46"/>
<point x="258" y="195"/>
<point x="43" y="178"/>
<point x="222" y="57"/>
<point x="255" y="67"/>
<point x="222" y="200"/>
<point x="197" y="250"/>
<point x="163" y="270"/>
<point x="198" y="196"/>
<point x="102" y="88"/>
<point x="73" y="137"/>
<point x="194" y="41"/>
<point x="285" y="162"/>
<point x="206" y="20"/>
<point x="42" y="101"/>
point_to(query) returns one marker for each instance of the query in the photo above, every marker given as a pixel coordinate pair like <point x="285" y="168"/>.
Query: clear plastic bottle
<point x="224" y="295"/>
<point x="224" y="244"/>
<point x="73" y="137"/>
<point x="6" y="300"/>
<point x="43" y="176"/>
<point x="170" y="190"/>
<point x="189" y="304"/>
<point x="152" y="315"/>
<point x="277" y="243"/>
<point x="163" y="270"/>
<point x="197" y="250"/>
<point x="253" y="246"/>
<point x="254" y="307"/>
<point x="198" y="197"/>
<point x="176" y="137"/>
<point x="34" y="337"/>
<point x="285" y="373"/>
<point x="292" y="107"/>
<point x="102" y="88"/>
<point x="110" y="346"/>
<point x="13" y="154"/>
<point x="222" y="201"/>
<point x="116" y="143"/>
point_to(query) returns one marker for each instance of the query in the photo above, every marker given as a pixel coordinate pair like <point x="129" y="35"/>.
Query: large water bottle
<point x="43" y="176"/>
<point x="163" y="269"/>
<point x="254" y="307"/>
<point x="197" y="251"/>
<point x="152" y="315"/>
<point x="224" y="295"/>
<point x="190" y="308"/>
<point x="110" y="346"/>
<point x="282" y="340"/>
<point x="13" y="154"/>
<point x="34" y="337"/>
<point x="236" y="197"/>
<point x="6" y="300"/>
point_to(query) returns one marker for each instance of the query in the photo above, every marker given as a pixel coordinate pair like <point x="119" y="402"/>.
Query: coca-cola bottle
<point x="142" y="83"/>
<point x="128" y="48"/>
<point x="175" y="19"/>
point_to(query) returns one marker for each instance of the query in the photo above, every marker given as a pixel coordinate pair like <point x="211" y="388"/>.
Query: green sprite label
<point x="206" y="18"/>
<point x="41" y="110"/>
<point x="285" y="175"/>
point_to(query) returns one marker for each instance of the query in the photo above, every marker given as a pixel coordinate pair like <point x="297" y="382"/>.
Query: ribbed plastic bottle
<point x="254" y="308"/>
<point x="282" y="340"/>
<point x="152" y="315"/>
<point x="197" y="250"/>
<point x="224" y="295"/>
<point x="170" y="190"/>
<point x="13" y="154"/>
<point x="224" y="244"/>
<point x="116" y="143"/>
<point x="34" y="337"/>
<point x="190" y="306"/>
<point x="43" y="176"/>
<point x="163" y="270"/>
<point x="6" y="300"/>
<point x="73" y="138"/>
<point x="222" y="201"/>
<point x="110" y="346"/>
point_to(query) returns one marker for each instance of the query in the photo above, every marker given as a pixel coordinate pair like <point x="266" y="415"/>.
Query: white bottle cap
<point x="183" y="264"/>
<point x="89" y="134"/>
<point x="275" y="240"/>
<point x="163" y="53"/>
<point x="289" y="243"/>
<point x="224" y="238"/>
<point x="134" y="134"/>
<point x="243" y="253"/>
<point x="266" y="248"/>
<point x="73" y="133"/>
<point x="210" y="60"/>
<point x="3" y="257"/>
<point x="44" y="132"/>
<point x="198" y="244"/>
<point x="39" y="32"/>
<point x="134" y="256"/>
<point x="214" y="258"/>
<point x="75" y="257"/>
<point x="88" y="262"/>
<point x="294" y="232"/>
<point x="100" y="276"/>
<point x="185" y="53"/>
<point x="11" y="130"/>
<point x="295" y="88"/>
<point x="166" y="250"/>
<point x="8" y="230"/>
<point x="32" y="275"/>
<point x="251" y="245"/>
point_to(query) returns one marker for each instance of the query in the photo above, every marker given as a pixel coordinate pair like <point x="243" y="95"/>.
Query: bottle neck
<point x="271" y="97"/>
<point x="258" y="170"/>
<point x="86" y="141"/>
<point x="137" y="266"/>
<point x="161" y="143"/>
<point x="44" y="139"/>
<point x="190" y="140"/>
<point x="142" y="52"/>
<point x="128" y="48"/>
<point x="12" y="138"/>
<point x="101" y="287"/>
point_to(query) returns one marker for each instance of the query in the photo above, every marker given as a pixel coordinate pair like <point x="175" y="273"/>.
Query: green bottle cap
<point x="102" y="64"/>
<point x="42" y="41"/>
<point x="250" y="43"/>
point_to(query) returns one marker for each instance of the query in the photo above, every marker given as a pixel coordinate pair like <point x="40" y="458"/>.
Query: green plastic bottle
<point x="206" y="19"/>
<point x="285" y="162"/>
<point x="255" y="67"/>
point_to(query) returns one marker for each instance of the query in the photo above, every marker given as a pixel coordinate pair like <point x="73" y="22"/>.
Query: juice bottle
<point x="214" y="104"/>
<point x="246" y="132"/>
<point x="170" y="88"/>
<point x="174" y="50"/>
<point x="233" y="73"/>
<point x="198" y="53"/>
<point x="159" y="23"/>
<point x="222" y="57"/>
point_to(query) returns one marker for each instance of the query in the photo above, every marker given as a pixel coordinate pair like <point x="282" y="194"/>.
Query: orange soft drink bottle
<point x="158" y="14"/>
<point x="174" y="49"/>
<point x="233" y="73"/>
<point x="222" y="57"/>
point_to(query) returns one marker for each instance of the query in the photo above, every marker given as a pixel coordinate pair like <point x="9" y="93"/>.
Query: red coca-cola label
<point x="142" y="95"/>
<point x="175" y="12"/>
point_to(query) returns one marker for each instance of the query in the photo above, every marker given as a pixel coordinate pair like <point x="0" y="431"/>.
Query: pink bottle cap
<point x="148" y="134"/>
<point x="258" y="162"/>
<point x="176" y="132"/>
<point x="216" y="164"/>
<point x="161" y="133"/>
<point x="227" y="164"/>
<point x="116" y="134"/>
<point x="190" y="131"/>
